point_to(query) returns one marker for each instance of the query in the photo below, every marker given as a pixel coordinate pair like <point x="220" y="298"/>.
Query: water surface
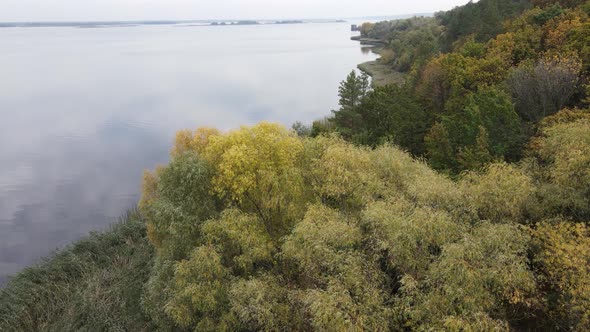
<point x="84" y="111"/>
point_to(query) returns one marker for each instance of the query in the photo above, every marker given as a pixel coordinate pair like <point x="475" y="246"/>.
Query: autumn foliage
<point x="457" y="201"/>
<point x="318" y="234"/>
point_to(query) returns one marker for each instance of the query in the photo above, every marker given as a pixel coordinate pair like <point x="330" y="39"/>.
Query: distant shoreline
<point x="99" y="24"/>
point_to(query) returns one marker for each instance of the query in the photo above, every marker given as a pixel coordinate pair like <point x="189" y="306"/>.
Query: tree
<point x="562" y="256"/>
<point x="256" y="168"/>
<point x="478" y="155"/>
<point x="548" y="14"/>
<point x="410" y="42"/>
<point x="440" y="152"/>
<point x="301" y="129"/>
<point x="173" y="221"/>
<point x="200" y="292"/>
<point x="242" y="241"/>
<point x="366" y="29"/>
<point x="408" y="238"/>
<point x="387" y="114"/>
<point x="500" y="193"/>
<point x="563" y="149"/>
<point x="340" y="285"/>
<point x="195" y="141"/>
<point x="351" y="92"/>
<point x="263" y="303"/>
<point x="441" y="80"/>
<point x="483" y="274"/>
<point x="486" y="127"/>
<point x="544" y="89"/>
<point x="395" y="115"/>
<point x="500" y="121"/>
<point x="565" y="3"/>
<point x="340" y="175"/>
<point x="484" y="19"/>
<point x="523" y="40"/>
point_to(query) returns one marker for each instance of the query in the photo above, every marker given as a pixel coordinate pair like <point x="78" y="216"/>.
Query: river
<point x="83" y="111"/>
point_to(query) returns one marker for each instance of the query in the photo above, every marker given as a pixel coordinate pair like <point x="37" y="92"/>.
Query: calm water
<point x="84" y="111"/>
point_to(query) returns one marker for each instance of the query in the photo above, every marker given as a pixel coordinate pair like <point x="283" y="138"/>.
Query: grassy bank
<point x="381" y="73"/>
<point x="93" y="285"/>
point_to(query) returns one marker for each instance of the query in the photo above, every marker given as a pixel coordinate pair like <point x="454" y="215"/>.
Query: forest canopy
<point x="480" y="80"/>
<point x="319" y="234"/>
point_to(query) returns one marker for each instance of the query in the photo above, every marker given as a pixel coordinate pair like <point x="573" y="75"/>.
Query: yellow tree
<point x="564" y="148"/>
<point x="563" y="257"/>
<point x="256" y="169"/>
<point x="187" y="140"/>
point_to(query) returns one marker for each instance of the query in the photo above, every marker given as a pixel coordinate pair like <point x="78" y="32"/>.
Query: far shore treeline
<point x="456" y="200"/>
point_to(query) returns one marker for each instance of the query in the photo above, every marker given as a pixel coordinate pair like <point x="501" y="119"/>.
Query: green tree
<point x="484" y="19"/>
<point x="440" y="152"/>
<point x="393" y="114"/>
<point x="200" y="292"/>
<point x="485" y="128"/>
<point x="565" y="3"/>
<point x="263" y="304"/>
<point x="478" y="155"/>
<point x="173" y="221"/>
<point x="351" y="92"/>
<point x="353" y="89"/>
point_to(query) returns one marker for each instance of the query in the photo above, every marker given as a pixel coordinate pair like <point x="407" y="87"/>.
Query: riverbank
<point x="95" y="283"/>
<point x="381" y="73"/>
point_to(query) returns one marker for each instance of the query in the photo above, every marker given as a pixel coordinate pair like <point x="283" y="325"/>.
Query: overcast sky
<point x="91" y="10"/>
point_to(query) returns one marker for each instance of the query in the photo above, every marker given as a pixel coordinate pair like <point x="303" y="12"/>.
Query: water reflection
<point x="367" y="49"/>
<point x="85" y="111"/>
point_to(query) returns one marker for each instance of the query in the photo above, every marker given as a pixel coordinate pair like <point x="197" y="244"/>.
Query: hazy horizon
<point x="223" y="19"/>
<point x="188" y="10"/>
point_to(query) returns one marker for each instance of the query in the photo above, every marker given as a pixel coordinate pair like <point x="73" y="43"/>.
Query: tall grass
<point x="93" y="285"/>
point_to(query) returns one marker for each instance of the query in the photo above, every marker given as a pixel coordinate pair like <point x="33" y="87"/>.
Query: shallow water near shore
<point x="84" y="111"/>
